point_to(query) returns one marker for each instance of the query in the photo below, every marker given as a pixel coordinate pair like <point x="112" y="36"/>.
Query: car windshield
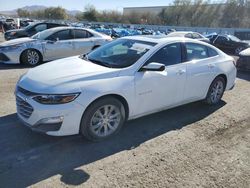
<point x="120" y="53"/>
<point x="29" y="26"/>
<point x="43" y="35"/>
<point x="234" y="38"/>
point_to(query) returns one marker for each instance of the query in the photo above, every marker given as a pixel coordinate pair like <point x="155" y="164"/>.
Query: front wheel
<point x="102" y="119"/>
<point x="216" y="91"/>
<point x="31" y="57"/>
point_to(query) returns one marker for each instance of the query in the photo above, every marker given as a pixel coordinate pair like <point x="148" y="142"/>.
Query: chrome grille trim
<point x="23" y="108"/>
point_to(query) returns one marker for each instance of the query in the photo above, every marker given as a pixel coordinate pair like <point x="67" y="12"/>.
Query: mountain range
<point x="35" y="8"/>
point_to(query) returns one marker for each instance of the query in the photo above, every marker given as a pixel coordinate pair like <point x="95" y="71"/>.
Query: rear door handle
<point x="181" y="71"/>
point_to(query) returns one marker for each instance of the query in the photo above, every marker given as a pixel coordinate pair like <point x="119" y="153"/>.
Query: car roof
<point x="158" y="39"/>
<point x="55" y="29"/>
<point x="180" y="33"/>
<point x="60" y="28"/>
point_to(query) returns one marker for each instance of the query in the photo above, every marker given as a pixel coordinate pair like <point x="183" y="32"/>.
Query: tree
<point x="90" y="13"/>
<point x="23" y="13"/>
<point x="175" y="13"/>
<point x="57" y="13"/>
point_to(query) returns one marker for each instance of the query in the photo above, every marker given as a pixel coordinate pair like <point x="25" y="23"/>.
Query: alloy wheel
<point x="33" y="57"/>
<point x="105" y="120"/>
<point x="217" y="91"/>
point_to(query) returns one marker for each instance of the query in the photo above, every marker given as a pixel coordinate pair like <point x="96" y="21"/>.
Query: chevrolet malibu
<point x="95" y="94"/>
<point x="51" y="44"/>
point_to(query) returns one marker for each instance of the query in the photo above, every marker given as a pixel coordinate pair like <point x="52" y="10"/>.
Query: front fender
<point x="122" y="86"/>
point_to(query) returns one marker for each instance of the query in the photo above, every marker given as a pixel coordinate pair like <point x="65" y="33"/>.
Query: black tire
<point x="210" y="98"/>
<point x="86" y="127"/>
<point x="31" y="57"/>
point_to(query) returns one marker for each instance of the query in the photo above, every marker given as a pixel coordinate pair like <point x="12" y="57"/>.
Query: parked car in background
<point x="128" y="78"/>
<point x="30" y="30"/>
<point x="189" y="34"/>
<point x="10" y="21"/>
<point x="229" y="43"/>
<point x="243" y="62"/>
<point x="51" y="44"/>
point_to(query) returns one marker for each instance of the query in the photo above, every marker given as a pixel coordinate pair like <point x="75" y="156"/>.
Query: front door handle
<point x="210" y="66"/>
<point x="181" y="71"/>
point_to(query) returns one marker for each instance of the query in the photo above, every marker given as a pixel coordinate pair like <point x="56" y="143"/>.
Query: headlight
<point x="12" y="33"/>
<point x="56" y="99"/>
<point x="12" y="47"/>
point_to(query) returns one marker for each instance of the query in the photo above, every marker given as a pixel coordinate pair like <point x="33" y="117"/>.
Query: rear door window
<point x="61" y="35"/>
<point x="189" y="35"/>
<point x="79" y="34"/>
<point x="212" y="52"/>
<point x="196" y="51"/>
<point x="41" y="27"/>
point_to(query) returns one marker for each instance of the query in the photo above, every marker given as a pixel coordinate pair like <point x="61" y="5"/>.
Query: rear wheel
<point x="216" y="91"/>
<point x="103" y="119"/>
<point x="31" y="57"/>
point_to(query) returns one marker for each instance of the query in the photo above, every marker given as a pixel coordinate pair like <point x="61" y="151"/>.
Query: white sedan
<point x="128" y="78"/>
<point x="51" y="44"/>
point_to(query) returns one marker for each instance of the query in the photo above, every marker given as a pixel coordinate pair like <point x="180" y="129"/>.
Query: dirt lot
<point x="190" y="146"/>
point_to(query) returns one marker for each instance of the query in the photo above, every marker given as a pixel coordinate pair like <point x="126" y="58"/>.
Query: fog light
<point x="51" y="120"/>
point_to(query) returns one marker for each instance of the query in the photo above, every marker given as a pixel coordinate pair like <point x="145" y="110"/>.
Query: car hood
<point x="15" y="30"/>
<point x="17" y="41"/>
<point x="245" y="52"/>
<point x="244" y="43"/>
<point x="66" y="75"/>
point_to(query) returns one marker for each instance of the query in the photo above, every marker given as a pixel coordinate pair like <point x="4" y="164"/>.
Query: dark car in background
<point x="228" y="43"/>
<point x="30" y="30"/>
<point x="243" y="62"/>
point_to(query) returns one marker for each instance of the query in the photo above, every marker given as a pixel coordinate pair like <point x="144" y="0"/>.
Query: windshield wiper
<point x="100" y="63"/>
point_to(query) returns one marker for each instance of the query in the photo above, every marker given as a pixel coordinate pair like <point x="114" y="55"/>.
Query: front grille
<point x="3" y="57"/>
<point x="23" y="108"/>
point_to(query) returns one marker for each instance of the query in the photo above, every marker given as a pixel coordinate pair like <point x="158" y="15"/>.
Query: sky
<point x="79" y="4"/>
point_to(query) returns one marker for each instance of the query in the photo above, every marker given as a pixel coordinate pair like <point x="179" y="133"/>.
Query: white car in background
<point x="189" y="34"/>
<point x="128" y="78"/>
<point x="51" y="44"/>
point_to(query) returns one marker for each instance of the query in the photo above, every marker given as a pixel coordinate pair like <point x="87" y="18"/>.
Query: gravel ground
<point x="1" y="37"/>
<point x="194" y="145"/>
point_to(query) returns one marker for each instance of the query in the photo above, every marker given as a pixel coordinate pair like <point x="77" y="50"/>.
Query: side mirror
<point x="153" y="67"/>
<point x="52" y="41"/>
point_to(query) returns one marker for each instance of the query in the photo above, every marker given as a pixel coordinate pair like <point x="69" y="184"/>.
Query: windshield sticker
<point x="140" y="47"/>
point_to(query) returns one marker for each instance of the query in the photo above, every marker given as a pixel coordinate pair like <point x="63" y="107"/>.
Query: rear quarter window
<point x="196" y="51"/>
<point x="212" y="52"/>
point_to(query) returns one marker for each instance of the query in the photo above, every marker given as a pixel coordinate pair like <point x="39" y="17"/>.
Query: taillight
<point x="234" y="62"/>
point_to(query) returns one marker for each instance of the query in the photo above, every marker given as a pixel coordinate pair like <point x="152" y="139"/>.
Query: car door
<point x="160" y="89"/>
<point x="59" y="45"/>
<point x="83" y="41"/>
<point x="200" y="61"/>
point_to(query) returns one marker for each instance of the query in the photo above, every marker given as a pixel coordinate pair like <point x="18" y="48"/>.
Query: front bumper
<point x="7" y="36"/>
<point x="10" y="57"/>
<point x="71" y="114"/>
<point x="42" y="128"/>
